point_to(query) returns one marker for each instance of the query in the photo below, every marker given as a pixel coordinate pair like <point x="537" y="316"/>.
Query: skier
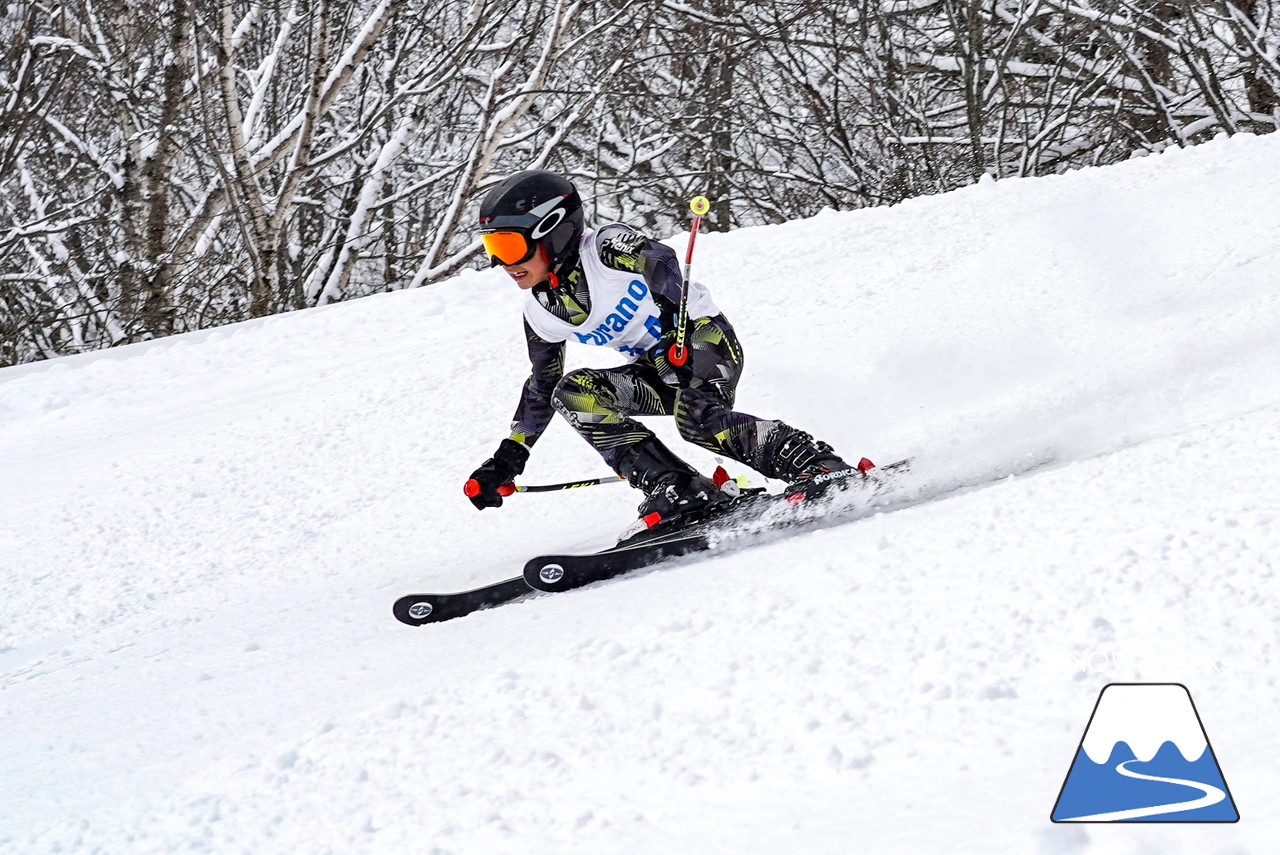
<point x="613" y="287"/>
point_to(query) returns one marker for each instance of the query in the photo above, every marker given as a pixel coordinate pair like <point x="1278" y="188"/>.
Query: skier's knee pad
<point x="583" y="391"/>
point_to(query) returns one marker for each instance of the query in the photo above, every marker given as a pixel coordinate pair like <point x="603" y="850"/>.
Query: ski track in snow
<point x="201" y="537"/>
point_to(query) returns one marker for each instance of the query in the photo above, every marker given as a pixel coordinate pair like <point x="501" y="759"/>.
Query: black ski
<point x="417" y="609"/>
<point x="641" y="551"/>
<point x="565" y="572"/>
<point x="552" y="573"/>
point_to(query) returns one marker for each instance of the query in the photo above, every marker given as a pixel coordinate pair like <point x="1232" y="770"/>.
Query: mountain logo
<point x="1145" y="757"/>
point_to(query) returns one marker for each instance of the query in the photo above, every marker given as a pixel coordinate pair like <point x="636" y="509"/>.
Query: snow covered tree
<point x="169" y="165"/>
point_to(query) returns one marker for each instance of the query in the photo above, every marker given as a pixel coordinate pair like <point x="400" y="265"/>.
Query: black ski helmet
<point x="540" y="205"/>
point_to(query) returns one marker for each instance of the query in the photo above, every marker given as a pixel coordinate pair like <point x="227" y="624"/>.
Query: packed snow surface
<point x="201" y="538"/>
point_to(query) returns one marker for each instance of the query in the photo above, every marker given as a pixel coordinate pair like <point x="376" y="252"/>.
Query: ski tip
<point x="420" y="610"/>
<point x="550" y="574"/>
<point x="415" y="610"/>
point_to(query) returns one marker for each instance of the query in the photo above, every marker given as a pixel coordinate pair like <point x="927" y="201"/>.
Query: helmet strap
<point x="552" y="279"/>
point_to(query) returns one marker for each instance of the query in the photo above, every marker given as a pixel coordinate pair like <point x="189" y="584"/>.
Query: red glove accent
<point x="472" y="488"/>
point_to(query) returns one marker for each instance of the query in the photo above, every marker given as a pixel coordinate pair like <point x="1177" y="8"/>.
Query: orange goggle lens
<point x="508" y="247"/>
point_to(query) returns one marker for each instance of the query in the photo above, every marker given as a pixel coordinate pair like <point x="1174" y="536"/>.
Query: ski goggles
<point x="508" y="248"/>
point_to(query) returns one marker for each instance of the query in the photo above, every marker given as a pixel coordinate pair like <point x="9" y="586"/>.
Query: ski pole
<point x="508" y="489"/>
<point x="677" y="354"/>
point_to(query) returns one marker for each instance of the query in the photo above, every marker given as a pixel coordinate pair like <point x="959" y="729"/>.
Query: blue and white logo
<point x="619" y="320"/>
<point x="1145" y="758"/>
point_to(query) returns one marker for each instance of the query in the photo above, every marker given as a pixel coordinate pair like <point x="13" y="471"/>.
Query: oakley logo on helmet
<point x="547" y="223"/>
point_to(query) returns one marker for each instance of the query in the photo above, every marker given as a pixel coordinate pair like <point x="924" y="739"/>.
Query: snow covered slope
<point x="200" y="540"/>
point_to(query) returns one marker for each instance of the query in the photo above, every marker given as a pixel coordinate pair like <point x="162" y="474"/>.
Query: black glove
<point x="485" y="488"/>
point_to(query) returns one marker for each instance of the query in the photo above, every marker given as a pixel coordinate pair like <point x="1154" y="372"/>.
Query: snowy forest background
<point x="168" y="165"/>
